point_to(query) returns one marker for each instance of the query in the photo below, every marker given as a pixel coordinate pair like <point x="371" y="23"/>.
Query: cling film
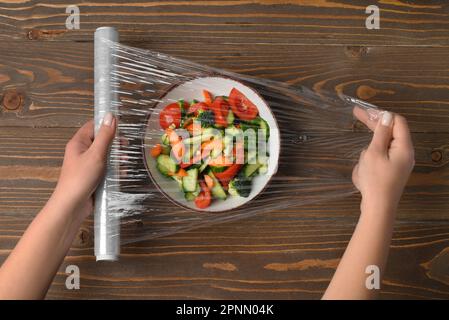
<point x="197" y="145"/>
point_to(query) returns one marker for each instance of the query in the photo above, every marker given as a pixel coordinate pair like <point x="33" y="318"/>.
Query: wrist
<point x="379" y="205"/>
<point x="64" y="204"/>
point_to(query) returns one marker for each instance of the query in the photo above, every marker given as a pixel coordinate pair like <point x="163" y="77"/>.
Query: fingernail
<point x="387" y="119"/>
<point x="107" y="120"/>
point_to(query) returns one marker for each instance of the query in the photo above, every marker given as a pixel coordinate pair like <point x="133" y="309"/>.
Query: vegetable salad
<point x="206" y="147"/>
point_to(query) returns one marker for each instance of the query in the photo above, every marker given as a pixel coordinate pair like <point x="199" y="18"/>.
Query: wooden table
<point x="46" y="74"/>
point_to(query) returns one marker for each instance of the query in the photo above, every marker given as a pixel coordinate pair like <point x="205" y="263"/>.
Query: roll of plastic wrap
<point x="107" y="227"/>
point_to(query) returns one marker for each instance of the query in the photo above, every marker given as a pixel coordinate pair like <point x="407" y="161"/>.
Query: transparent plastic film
<point x="196" y="146"/>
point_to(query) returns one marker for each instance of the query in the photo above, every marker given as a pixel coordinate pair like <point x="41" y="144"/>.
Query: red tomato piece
<point x="204" y="199"/>
<point x="171" y="114"/>
<point x="220" y="107"/>
<point x="207" y="97"/>
<point x="194" y="108"/>
<point x="241" y="106"/>
<point x="228" y="174"/>
<point x="184" y="165"/>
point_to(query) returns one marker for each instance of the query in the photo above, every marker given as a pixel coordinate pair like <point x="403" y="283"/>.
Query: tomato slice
<point x="194" y="108"/>
<point x="241" y="106"/>
<point x="207" y="97"/>
<point x="171" y="114"/>
<point x="227" y="175"/>
<point x="204" y="199"/>
<point x="184" y="165"/>
<point x="220" y="107"/>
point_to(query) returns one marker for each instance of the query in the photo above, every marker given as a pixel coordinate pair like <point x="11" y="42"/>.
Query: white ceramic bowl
<point x="193" y="90"/>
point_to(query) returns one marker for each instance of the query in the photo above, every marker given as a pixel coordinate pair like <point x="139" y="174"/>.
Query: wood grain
<point x="55" y="81"/>
<point x="234" y="22"/>
<point x="275" y="256"/>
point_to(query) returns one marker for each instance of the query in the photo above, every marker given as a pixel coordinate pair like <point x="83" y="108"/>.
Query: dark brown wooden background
<point x="46" y="76"/>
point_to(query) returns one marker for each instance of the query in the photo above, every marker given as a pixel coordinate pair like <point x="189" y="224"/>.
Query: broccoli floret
<point x="240" y="186"/>
<point x="206" y="118"/>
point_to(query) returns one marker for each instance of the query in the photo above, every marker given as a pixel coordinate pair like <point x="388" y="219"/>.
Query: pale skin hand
<point x="30" y="268"/>
<point x="380" y="175"/>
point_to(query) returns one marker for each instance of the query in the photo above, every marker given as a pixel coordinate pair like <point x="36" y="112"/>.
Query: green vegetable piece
<point x="166" y="165"/>
<point x="240" y="186"/>
<point x="206" y="118"/>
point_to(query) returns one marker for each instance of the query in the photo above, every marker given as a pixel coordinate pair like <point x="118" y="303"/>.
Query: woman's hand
<point x="380" y="175"/>
<point x="84" y="165"/>
<point x="48" y="238"/>
<point x="384" y="167"/>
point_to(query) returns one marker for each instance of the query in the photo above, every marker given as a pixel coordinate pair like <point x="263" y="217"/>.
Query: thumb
<point x="382" y="133"/>
<point x="105" y="135"/>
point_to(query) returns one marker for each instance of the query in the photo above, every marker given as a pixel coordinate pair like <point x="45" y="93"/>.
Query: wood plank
<point x="233" y="22"/>
<point x="278" y="256"/>
<point x="54" y="82"/>
<point x="30" y="161"/>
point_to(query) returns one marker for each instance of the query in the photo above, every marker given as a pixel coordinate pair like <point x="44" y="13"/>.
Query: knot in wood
<point x="12" y="100"/>
<point x="436" y="155"/>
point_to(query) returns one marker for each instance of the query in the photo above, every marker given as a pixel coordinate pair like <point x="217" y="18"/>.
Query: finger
<point x="82" y="139"/>
<point x="382" y="134"/>
<point x="85" y="134"/>
<point x="368" y="117"/>
<point x="104" y="137"/>
<point x="401" y="133"/>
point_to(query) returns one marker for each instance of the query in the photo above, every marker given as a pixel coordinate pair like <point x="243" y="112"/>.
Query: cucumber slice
<point x="250" y="169"/>
<point x="217" y="190"/>
<point x="203" y="166"/>
<point x="190" y="181"/>
<point x="265" y="127"/>
<point x="230" y="119"/>
<point x="251" y="157"/>
<point x="233" y="131"/>
<point x="257" y="123"/>
<point x="178" y="180"/>
<point x="263" y="169"/>
<point x="165" y="139"/>
<point x="189" y="196"/>
<point x="197" y="190"/>
<point x="218" y="169"/>
<point x="166" y="165"/>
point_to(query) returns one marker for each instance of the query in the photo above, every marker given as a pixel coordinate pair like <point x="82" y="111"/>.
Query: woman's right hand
<point x="385" y="166"/>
